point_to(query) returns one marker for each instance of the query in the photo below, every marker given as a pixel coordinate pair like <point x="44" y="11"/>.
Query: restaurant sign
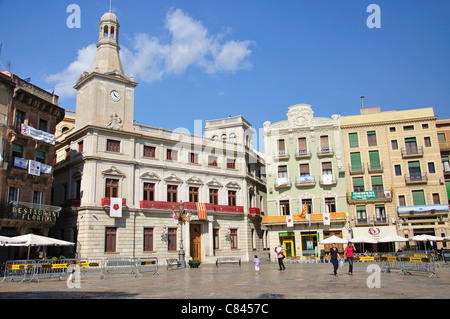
<point x="34" y="214"/>
<point x="364" y="195"/>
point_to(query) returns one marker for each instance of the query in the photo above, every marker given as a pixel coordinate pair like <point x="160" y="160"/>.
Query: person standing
<point x="334" y="254"/>
<point x="348" y="254"/>
<point x="279" y="250"/>
<point x="256" y="261"/>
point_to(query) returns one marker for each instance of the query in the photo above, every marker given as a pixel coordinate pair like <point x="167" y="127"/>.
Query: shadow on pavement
<point x="66" y="295"/>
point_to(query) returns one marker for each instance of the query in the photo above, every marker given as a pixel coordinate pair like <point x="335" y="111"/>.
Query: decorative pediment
<point x="173" y="179"/>
<point x="194" y="180"/>
<point x="233" y="185"/>
<point x="150" y="176"/>
<point x="214" y="183"/>
<point x="113" y="171"/>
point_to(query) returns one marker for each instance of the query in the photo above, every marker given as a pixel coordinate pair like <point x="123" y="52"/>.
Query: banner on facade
<point x="326" y="218"/>
<point x="201" y="210"/>
<point x="46" y="169"/>
<point x="34" y="168"/>
<point x="20" y="162"/>
<point x="37" y="134"/>
<point x="115" y="208"/>
<point x="289" y="221"/>
<point x="364" y="195"/>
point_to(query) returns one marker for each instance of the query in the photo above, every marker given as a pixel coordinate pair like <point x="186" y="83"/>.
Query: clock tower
<point x="105" y="96"/>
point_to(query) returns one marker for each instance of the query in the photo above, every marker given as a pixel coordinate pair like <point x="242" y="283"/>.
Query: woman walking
<point x="334" y="254"/>
<point x="348" y="254"/>
<point x="279" y="250"/>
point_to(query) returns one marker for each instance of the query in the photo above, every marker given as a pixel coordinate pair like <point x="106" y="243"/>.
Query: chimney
<point x="362" y="102"/>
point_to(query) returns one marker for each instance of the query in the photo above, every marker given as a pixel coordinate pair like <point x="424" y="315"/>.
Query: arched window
<point x="224" y="137"/>
<point x="105" y="31"/>
<point x="112" y="32"/>
<point x="232" y="138"/>
<point x="215" y="137"/>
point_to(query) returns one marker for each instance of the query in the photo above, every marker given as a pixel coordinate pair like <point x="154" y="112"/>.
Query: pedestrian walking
<point x="256" y="261"/>
<point x="279" y="251"/>
<point x="71" y="271"/>
<point x="334" y="256"/>
<point x="348" y="254"/>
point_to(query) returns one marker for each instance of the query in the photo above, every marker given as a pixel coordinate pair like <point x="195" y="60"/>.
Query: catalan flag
<point x="303" y="213"/>
<point x="201" y="210"/>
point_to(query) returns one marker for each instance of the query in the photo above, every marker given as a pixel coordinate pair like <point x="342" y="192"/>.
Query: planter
<point x="194" y="264"/>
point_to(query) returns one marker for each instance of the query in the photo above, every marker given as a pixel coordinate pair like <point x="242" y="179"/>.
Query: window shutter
<point x="353" y="139"/>
<point x="358" y="181"/>
<point x="355" y="159"/>
<point x="374" y="158"/>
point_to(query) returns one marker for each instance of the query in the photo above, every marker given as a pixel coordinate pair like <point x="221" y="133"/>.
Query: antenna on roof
<point x="109" y="5"/>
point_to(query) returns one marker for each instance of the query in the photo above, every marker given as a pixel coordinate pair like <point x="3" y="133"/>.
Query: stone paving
<point x="298" y="281"/>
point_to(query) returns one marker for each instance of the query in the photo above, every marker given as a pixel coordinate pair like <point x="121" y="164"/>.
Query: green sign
<point x="286" y="234"/>
<point x="364" y="195"/>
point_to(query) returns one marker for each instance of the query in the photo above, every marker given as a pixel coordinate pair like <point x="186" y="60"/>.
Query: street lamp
<point x="181" y="215"/>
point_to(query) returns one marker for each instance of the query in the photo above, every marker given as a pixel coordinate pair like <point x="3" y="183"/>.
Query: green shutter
<point x="377" y="181"/>
<point x="418" y="198"/>
<point x="358" y="181"/>
<point x="353" y="139"/>
<point x="355" y="159"/>
<point x="415" y="164"/>
<point x="17" y="148"/>
<point x="410" y="140"/>
<point x="447" y="184"/>
<point x="374" y="158"/>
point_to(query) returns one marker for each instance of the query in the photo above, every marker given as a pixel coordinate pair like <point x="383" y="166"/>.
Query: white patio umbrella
<point x="334" y="240"/>
<point x="425" y="238"/>
<point x="30" y="240"/>
<point x="392" y="238"/>
<point x="363" y="240"/>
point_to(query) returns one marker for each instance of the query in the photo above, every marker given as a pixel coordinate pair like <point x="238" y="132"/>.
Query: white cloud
<point x="190" y="44"/>
<point x="65" y="80"/>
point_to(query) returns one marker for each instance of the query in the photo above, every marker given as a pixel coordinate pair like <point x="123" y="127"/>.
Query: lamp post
<point x="181" y="217"/>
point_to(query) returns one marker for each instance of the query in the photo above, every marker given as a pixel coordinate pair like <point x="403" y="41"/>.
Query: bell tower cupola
<point x="105" y="96"/>
<point x="107" y="58"/>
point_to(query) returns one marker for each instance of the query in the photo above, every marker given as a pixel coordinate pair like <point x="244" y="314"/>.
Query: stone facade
<point x="104" y="155"/>
<point x="305" y="167"/>
<point x="394" y="174"/>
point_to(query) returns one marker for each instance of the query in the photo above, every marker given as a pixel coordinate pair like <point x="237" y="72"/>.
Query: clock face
<point x="115" y="96"/>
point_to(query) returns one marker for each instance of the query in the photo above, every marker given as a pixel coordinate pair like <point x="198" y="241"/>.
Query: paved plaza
<point x="298" y="281"/>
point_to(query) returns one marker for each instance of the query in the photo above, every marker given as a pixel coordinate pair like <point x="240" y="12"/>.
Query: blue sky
<point x="249" y="57"/>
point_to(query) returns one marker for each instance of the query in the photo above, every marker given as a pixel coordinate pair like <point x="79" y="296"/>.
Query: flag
<point x="326" y="218"/>
<point x="187" y="217"/>
<point x="289" y="221"/>
<point x="303" y="214"/>
<point x="308" y="217"/>
<point x="115" y="207"/>
<point x="175" y="218"/>
<point x="201" y="210"/>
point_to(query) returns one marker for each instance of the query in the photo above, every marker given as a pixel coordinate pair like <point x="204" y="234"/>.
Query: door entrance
<point x="288" y="247"/>
<point x="195" y="241"/>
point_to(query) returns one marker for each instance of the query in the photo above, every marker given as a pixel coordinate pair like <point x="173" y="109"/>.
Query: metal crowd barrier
<point x="35" y="270"/>
<point x="19" y="269"/>
<point x="407" y="264"/>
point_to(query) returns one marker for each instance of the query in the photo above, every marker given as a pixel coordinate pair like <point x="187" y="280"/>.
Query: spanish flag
<point x="201" y="210"/>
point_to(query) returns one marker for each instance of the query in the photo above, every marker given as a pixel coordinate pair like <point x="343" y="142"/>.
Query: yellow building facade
<point x="395" y="181"/>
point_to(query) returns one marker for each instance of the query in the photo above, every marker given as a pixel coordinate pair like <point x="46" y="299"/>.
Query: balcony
<point x="325" y="150"/>
<point x="282" y="155"/>
<point x="305" y="181"/>
<point x="254" y="211"/>
<point x="303" y="154"/>
<point x="327" y="180"/>
<point x="412" y="152"/>
<point x="106" y="201"/>
<point x="416" y="178"/>
<point x="444" y="146"/>
<point x="283" y="182"/>
<point x="375" y="168"/>
<point x="356" y="169"/>
<point x="170" y="206"/>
